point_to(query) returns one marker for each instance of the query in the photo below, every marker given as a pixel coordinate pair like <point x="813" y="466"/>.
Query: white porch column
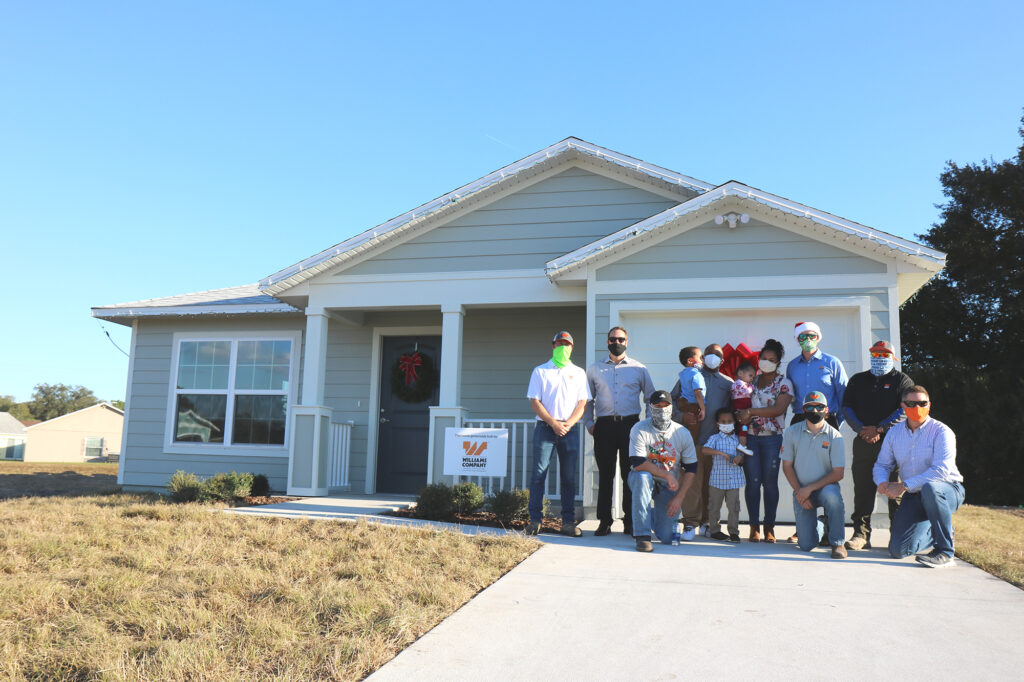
<point x="451" y="355"/>
<point x="309" y="439"/>
<point x="315" y="361"/>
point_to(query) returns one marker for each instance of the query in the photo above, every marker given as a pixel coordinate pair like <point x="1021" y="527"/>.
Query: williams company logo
<point x="473" y="458"/>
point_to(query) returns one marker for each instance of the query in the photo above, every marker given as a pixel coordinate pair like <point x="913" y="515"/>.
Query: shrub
<point x="185" y="487"/>
<point x="435" y="502"/>
<point x="511" y="506"/>
<point x="227" y="487"/>
<point x="260" y="486"/>
<point x="467" y="497"/>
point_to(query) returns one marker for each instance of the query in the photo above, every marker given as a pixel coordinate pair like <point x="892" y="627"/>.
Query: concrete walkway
<point x="595" y="609"/>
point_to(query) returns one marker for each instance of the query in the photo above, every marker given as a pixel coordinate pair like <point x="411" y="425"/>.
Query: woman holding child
<point x="771" y="396"/>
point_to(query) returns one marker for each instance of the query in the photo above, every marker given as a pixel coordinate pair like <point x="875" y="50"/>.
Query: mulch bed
<point x="548" y="525"/>
<point x="263" y="499"/>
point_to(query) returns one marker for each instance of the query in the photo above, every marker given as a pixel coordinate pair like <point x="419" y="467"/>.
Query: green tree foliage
<point x="963" y="333"/>
<point x="53" y="400"/>
<point x="18" y="410"/>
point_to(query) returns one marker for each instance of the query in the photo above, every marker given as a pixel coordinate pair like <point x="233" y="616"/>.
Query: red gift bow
<point x="408" y="364"/>
<point x="734" y="357"/>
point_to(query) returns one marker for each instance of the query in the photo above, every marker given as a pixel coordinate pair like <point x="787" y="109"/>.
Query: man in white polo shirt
<point x="558" y="394"/>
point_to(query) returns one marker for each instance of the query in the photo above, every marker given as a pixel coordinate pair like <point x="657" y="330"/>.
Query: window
<point x="232" y="392"/>
<point x="93" y="447"/>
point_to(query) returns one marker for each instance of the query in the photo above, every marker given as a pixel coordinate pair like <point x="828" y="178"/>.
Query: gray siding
<point x="500" y="349"/>
<point x="878" y="296"/>
<point x="524" y="230"/>
<point x="144" y="461"/>
<point x="756" y="249"/>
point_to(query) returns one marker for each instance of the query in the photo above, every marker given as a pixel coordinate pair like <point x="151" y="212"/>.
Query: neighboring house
<point x="12" y="437"/>
<point x="88" y="434"/>
<point x="307" y="375"/>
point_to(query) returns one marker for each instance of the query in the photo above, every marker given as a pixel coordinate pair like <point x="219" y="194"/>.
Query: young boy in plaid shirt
<point x="726" y="476"/>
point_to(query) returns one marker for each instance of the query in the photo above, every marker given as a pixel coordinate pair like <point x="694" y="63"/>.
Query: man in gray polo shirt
<point x="695" y="506"/>
<point x="814" y="461"/>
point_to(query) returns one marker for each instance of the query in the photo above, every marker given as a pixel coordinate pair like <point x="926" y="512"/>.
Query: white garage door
<point x="655" y="337"/>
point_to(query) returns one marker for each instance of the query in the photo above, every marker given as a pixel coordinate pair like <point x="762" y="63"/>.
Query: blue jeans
<point x="650" y="503"/>
<point x="568" y="447"/>
<point x="762" y="469"/>
<point x="925" y="519"/>
<point x="809" y="527"/>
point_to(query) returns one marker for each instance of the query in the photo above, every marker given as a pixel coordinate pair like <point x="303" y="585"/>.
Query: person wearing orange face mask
<point x="932" y="488"/>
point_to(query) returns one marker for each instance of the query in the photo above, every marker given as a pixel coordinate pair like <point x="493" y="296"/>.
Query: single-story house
<point x="90" y="434"/>
<point x="12" y="437"/>
<point x="341" y="372"/>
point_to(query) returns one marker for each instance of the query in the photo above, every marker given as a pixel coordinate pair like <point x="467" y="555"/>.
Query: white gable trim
<point x="447" y="203"/>
<point x="922" y="256"/>
<point x="114" y="314"/>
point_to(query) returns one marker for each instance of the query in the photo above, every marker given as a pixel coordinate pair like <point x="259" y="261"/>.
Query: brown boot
<point x="769" y="534"/>
<point x="755" y="533"/>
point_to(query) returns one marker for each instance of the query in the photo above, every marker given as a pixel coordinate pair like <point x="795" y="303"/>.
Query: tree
<point x="53" y="400"/>
<point x="963" y="332"/>
<point x="18" y="410"/>
<point x="119" y="404"/>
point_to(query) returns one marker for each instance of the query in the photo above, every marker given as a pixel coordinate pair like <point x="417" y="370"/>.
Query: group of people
<point x="713" y="435"/>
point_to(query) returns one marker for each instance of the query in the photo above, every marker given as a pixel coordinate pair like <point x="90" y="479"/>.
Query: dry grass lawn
<point x="993" y="540"/>
<point x="129" y="587"/>
<point x="18" y="479"/>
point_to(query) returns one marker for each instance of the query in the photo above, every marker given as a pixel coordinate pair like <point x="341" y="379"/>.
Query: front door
<point x="409" y="380"/>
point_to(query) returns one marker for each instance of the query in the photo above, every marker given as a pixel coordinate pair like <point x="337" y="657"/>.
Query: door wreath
<point x="413" y="377"/>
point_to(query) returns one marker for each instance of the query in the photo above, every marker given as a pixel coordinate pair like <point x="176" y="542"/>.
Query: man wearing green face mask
<point x="558" y="394"/>
<point x="814" y="370"/>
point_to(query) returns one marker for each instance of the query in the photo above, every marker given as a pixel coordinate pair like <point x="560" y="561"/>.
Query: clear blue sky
<point x="150" y="149"/>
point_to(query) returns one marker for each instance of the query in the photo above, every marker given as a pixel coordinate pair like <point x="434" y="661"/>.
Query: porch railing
<point x="338" y="451"/>
<point x="520" y="446"/>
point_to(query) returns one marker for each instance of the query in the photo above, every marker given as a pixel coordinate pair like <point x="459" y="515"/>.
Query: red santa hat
<point x="802" y="327"/>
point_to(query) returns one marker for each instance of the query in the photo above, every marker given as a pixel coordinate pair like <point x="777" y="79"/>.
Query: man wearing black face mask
<point x="814" y="461"/>
<point x="619" y="385"/>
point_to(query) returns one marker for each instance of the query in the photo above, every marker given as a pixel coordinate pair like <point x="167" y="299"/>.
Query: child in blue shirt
<point x="692" y="388"/>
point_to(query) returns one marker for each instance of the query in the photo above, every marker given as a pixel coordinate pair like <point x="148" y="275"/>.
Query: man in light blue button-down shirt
<point x="814" y="370"/>
<point x="932" y="489"/>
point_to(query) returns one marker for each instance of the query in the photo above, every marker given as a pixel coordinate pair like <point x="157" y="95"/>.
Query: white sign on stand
<point x="475" y="452"/>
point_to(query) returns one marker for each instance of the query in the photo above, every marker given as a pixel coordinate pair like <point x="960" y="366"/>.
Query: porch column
<point x="451" y="355"/>
<point x="309" y="437"/>
<point x="447" y="413"/>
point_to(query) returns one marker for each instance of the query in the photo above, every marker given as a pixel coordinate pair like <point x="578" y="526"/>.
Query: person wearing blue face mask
<point x="871" y="405"/>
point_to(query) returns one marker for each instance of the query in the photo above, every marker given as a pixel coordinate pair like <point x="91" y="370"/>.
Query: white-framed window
<point x="93" y="447"/>
<point x="230" y="392"/>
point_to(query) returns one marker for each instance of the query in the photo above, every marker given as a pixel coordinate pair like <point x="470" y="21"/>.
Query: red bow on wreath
<point x="408" y="364"/>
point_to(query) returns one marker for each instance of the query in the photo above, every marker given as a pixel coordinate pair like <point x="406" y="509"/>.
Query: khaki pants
<point x="732" y="503"/>
<point x="695" y="504"/>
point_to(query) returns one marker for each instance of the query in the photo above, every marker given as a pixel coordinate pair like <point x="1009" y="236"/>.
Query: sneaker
<point x="719" y="535"/>
<point x="643" y="543"/>
<point x="838" y="552"/>
<point x="603" y="528"/>
<point x="533" y="528"/>
<point x="858" y="542"/>
<point x="688" y="533"/>
<point x="705" y="530"/>
<point x="745" y="450"/>
<point x="935" y="559"/>
<point x="792" y="539"/>
<point x="734" y="537"/>
<point x="570" y="530"/>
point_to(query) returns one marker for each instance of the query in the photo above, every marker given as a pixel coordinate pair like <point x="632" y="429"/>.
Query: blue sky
<point x="151" y="149"/>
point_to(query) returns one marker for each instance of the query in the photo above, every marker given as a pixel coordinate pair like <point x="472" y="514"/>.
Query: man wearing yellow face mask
<point x="558" y="394"/>
<point x="924" y="449"/>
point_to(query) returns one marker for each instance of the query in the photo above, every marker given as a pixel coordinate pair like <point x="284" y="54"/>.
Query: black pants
<point x="611" y="447"/>
<point x="864" y="489"/>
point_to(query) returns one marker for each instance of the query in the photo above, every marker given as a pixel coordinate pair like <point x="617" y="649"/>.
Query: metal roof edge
<point x="108" y="313"/>
<point x="303" y="270"/>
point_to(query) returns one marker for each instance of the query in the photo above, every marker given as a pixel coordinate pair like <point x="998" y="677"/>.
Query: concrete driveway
<point x="595" y="609"/>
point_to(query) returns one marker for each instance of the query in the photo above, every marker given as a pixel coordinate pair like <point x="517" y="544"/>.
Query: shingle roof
<point x="9" y="424"/>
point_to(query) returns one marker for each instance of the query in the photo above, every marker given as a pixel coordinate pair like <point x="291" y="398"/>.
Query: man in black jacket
<point x="871" y="405"/>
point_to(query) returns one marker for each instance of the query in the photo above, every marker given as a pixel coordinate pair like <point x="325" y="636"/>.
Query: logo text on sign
<point x="475" y="452"/>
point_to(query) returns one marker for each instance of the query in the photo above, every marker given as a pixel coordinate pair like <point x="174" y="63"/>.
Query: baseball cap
<point x="661" y="397"/>
<point x="882" y="347"/>
<point x="815" y="397"/>
<point x="563" y="336"/>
